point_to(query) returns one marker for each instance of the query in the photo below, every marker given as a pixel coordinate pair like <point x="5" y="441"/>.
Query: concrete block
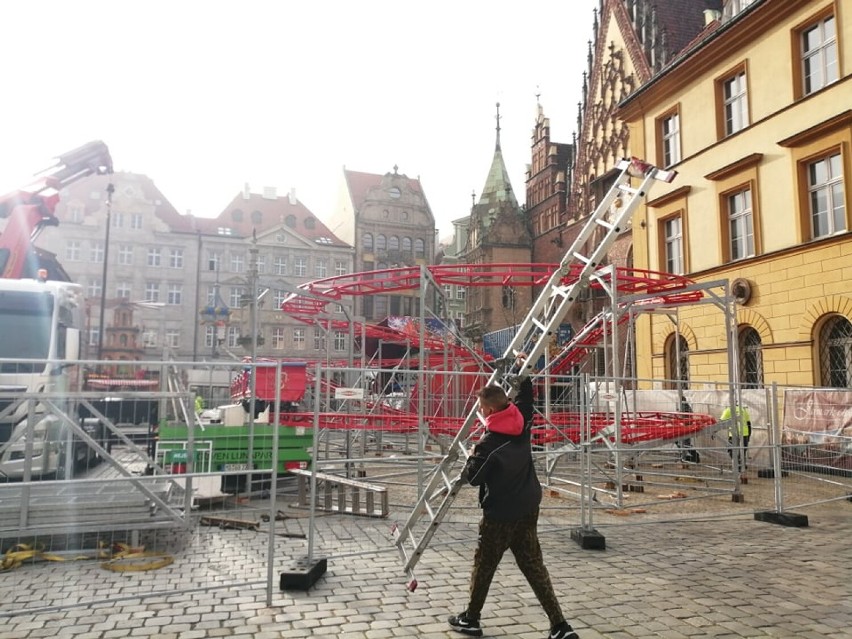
<point x="782" y="519"/>
<point x="303" y="574"/>
<point x="589" y="539"/>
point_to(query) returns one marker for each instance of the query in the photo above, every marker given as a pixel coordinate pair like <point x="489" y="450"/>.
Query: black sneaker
<point x="466" y="625"/>
<point x="562" y="630"/>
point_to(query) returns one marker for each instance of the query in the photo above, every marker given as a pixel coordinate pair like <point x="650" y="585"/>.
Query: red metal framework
<point x="652" y="289"/>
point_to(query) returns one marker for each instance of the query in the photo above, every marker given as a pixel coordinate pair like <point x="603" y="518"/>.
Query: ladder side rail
<point x="552" y="290"/>
<point x="552" y="305"/>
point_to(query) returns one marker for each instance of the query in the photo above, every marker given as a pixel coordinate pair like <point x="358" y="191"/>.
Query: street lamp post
<point x="110" y="189"/>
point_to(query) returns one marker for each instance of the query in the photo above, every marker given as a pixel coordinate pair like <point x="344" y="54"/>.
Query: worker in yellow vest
<point x="743" y="420"/>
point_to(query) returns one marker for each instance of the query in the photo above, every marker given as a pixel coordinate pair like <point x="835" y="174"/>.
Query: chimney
<point x="269" y="193"/>
<point x="711" y="15"/>
<point x="292" y="197"/>
<point x="246" y="191"/>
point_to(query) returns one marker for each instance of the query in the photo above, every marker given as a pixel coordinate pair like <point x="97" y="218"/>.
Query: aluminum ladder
<point x="613" y="216"/>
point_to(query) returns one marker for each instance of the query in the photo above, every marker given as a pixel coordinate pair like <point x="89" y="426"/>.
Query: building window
<point x="94" y="289"/>
<point x="507" y="297"/>
<point x="278" y="339"/>
<point x="818" y="51"/>
<point x="94" y="336"/>
<point x="741" y="225"/>
<point x="339" y="267"/>
<point x="279" y="265"/>
<point x="175" y="293"/>
<point x="232" y="335"/>
<point x="419" y="248"/>
<point x="122" y="291"/>
<point x="237" y="263"/>
<point x="152" y="291"/>
<point x="76" y="213"/>
<point x="299" y="339"/>
<point x="750" y="350"/>
<point x="381" y="242"/>
<point x="393" y="243"/>
<point x="835" y="352"/>
<point x="677" y="362"/>
<point x="406" y="245"/>
<point x="367" y="241"/>
<point x="149" y="338"/>
<point x="380" y="306"/>
<point x="117" y="219"/>
<point x="339" y="341"/>
<point x="260" y="263"/>
<point x="96" y="252"/>
<point x="673" y="245"/>
<point x="153" y="257"/>
<point x="669" y="138"/>
<point x="72" y="251"/>
<point x="734" y="102"/>
<point x="826" y="196"/>
<point x="300" y="267"/>
<point x="319" y="339"/>
<point x="125" y="255"/>
<point x="461" y="292"/>
<point x="176" y="258"/>
<point x="172" y="337"/>
<point x="321" y="267"/>
<point x="279" y="298"/>
<point x="136" y="221"/>
<point x="236" y="296"/>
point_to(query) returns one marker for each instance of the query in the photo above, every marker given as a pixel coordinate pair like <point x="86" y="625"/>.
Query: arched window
<point x="419" y="248"/>
<point x="393" y="243"/>
<point x="367" y="241"/>
<point x="835" y="352"/>
<point x="677" y="362"/>
<point x="381" y="242"/>
<point x="507" y="298"/>
<point x="406" y="245"/>
<point x="751" y="358"/>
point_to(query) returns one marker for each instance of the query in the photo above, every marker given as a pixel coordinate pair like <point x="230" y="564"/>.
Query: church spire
<point x="497" y="117"/>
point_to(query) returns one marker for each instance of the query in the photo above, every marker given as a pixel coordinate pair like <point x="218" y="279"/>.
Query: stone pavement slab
<point x="720" y="578"/>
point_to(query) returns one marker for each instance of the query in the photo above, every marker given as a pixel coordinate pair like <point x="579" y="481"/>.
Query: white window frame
<point x="832" y="189"/>
<point x="673" y="245"/>
<point x="822" y="59"/>
<point x="740" y="224"/>
<point x="299" y="339"/>
<point x="670" y="134"/>
<point x="176" y="258"/>
<point x="735" y="103"/>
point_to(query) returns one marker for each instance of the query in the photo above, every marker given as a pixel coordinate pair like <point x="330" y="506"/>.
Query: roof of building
<point x="681" y="20"/>
<point x="361" y="184"/>
<point x="248" y="213"/>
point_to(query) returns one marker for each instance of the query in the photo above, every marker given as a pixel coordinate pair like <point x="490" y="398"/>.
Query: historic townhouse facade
<point x="755" y="117"/>
<point x="167" y="268"/>
<point x="388" y="220"/>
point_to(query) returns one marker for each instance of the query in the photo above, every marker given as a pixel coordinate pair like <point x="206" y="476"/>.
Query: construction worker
<point x="743" y="420"/>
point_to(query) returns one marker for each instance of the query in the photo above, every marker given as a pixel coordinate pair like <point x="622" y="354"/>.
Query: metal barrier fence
<point x="210" y="489"/>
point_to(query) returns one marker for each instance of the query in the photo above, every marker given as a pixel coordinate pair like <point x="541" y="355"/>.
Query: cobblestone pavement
<point x="728" y="577"/>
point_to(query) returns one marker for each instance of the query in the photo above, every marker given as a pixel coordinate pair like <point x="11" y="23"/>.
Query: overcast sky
<point x="204" y="96"/>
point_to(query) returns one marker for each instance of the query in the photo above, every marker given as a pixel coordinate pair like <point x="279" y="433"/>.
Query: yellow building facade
<point x="756" y="117"/>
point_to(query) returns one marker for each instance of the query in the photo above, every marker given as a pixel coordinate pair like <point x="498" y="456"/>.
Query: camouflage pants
<point x="521" y="537"/>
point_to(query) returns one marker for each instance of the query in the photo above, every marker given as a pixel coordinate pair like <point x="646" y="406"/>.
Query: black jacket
<point x="502" y="467"/>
